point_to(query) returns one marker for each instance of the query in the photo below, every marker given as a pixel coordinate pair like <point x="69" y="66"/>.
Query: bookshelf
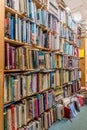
<point x="83" y="63"/>
<point x="44" y="69"/>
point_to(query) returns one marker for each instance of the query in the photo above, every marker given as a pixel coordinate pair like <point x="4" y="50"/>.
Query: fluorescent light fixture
<point x="77" y="16"/>
<point x="67" y="8"/>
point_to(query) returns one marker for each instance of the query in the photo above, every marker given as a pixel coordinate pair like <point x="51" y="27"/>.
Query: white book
<point x="15" y="89"/>
<point x="24" y="114"/>
<point x="5" y="2"/>
<point x="21" y="5"/>
<point x="27" y="8"/>
<point x="24" y="30"/>
<point x="20" y="31"/>
<point x="5" y="89"/>
<point x="34" y="83"/>
<point x="15" y="118"/>
<point x="16" y="5"/>
<point x="19" y="115"/>
<point x="16" y="27"/>
<point x="24" y="85"/>
<point x="28" y="32"/>
<point x="37" y="125"/>
<point x="18" y="88"/>
<point x="34" y="125"/>
<point x="9" y="119"/>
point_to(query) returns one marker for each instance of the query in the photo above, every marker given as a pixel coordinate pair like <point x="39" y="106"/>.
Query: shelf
<point x="28" y="71"/>
<point x="70" y="42"/>
<point x="58" y="93"/>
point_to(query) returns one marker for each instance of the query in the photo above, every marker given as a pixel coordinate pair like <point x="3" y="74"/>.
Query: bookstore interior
<point x="43" y="64"/>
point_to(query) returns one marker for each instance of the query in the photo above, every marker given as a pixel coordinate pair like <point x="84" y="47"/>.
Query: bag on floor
<point x="67" y="112"/>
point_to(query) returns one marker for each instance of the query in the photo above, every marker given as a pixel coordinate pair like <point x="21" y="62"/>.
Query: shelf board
<point x="8" y="102"/>
<point x="60" y="5"/>
<point x="17" y="43"/>
<point x="12" y="11"/>
<point x="18" y="70"/>
<point x="14" y="42"/>
<point x="38" y="4"/>
<point x="70" y="42"/>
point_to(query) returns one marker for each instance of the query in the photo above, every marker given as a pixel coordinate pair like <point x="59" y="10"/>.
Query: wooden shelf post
<point x="1" y="62"/>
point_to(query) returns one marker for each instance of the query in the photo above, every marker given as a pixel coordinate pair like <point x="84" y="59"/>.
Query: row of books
<point x="16" y="28"/>
<point x="28" y="109"/>
<point x="17" y="86"/>
<point x="30" y="9"/>
<point x="26" y="58"/>
<point x="70" y="75"/>
<point x="70" y="49"/>
<point x="67" y="33"/>
<point x="13" y="118"/>
<point x="28" y="32"/>
<point x="65" y="17"/>
<point x="70" y="62"/>
<point x="71" y="89"/>
<point x="27" y="7"/>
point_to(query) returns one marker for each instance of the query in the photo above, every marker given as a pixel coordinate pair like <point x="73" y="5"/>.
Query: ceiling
<point x="78" y="6"/>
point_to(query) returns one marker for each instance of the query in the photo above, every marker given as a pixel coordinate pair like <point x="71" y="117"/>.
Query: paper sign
<point x="81" y="53"/>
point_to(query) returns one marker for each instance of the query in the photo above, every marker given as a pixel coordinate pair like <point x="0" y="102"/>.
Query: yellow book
<point x="40" y="83"/>
<point x="9" y="88"/>
<point x="28" y="83"/>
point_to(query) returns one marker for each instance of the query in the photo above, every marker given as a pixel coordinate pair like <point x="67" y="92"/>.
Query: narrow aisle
<point x="78" y="123"/>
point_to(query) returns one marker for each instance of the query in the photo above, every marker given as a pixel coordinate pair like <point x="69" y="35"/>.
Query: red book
<point x="37" y="83"/>
<point x="13" y="120"/>
<point x="36" y="107"/>
<point x="12" y="58"/>
<point x="7" y="57"/>
<point x="51" y="117"/>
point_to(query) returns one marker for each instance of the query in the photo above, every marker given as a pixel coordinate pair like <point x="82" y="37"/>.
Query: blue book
<point x="24" y="31"/>
<point x="39" y="16"/>
<point x="51" y="74"/>
<point x="31" y="9"/>
<point x="32" y="32"/>
<point x="53" y="61"/>
<point x="12" y="85"/>
<point x="11" y="28"/>
<point x="44" y="100"/>
<point x="19" y="29"/>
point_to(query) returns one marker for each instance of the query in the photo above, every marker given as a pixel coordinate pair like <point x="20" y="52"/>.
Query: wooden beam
<point x="1" y="62"/>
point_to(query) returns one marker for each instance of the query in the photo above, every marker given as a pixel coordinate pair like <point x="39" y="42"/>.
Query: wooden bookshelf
<point x="31" y="46"/>
<point x="83" y="62"/>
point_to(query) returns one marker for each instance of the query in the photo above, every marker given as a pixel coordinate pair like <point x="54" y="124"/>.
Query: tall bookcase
<point x="83" y="63"/>
<point x="67" y="81"/>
